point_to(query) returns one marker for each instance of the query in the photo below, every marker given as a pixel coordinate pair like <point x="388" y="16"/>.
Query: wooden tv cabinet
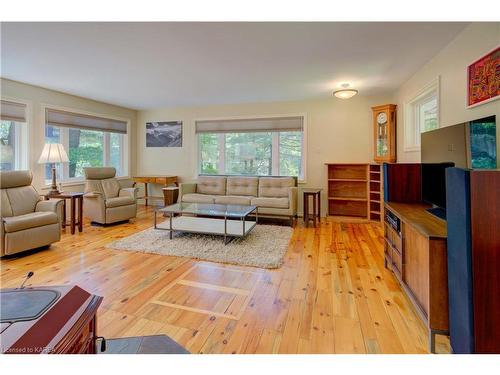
<point x="417" y="256"/>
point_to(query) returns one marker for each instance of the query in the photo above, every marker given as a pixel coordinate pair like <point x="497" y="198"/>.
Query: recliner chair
<point x="27" y="221"/>
<point x="108" y="200"/>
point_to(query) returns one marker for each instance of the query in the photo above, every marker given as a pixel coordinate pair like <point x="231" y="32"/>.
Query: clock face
<point x="382" y="118"/>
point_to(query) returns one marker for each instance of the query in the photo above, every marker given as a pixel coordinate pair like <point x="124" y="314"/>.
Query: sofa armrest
<point x="186" y="188"/>
<point x="126" y="183"/>
<point x="128" y="192"/>
<point x="292" y="198"/>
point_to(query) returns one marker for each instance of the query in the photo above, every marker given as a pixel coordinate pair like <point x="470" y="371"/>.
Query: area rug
<point x="264" y="246"/>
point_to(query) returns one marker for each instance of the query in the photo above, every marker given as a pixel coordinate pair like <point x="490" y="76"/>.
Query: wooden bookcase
<point x="354" y="190"/>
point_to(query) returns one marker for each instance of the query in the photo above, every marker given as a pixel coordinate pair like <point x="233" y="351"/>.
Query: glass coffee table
<point x="226" y="220"/>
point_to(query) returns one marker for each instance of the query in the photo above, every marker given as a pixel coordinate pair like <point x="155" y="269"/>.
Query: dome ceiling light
<point x="345" y="92"/>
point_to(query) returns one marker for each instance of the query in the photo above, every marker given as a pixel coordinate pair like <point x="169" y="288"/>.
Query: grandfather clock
<point x="384" y="125"/>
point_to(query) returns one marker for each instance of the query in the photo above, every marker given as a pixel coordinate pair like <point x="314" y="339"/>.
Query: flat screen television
<point x="468" y="145"/>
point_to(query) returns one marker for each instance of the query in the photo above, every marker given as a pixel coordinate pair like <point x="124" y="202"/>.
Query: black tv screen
<point x="434" y="183"/>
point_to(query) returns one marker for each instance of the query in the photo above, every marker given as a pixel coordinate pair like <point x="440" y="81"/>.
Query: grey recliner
<point x="27" y="221"/>
<point x="108" y="200"/>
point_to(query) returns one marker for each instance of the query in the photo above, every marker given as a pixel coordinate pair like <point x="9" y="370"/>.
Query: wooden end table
<point x="315" y="193"/>
<point x="74" y="198"/>
<point x="160" y="180"/>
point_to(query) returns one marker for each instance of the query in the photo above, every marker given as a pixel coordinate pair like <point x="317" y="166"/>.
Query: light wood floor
<point x="332" y="295"/>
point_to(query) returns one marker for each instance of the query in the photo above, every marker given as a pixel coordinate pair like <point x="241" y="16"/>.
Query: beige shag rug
<point x="264" y="246"/>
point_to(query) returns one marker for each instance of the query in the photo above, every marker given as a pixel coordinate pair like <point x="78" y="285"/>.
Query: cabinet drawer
<point x="397" y="262"/>
<point x="394" y="238"/>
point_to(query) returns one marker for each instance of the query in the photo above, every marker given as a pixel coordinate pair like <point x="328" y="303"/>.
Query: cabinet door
<point x="416" y="265"/>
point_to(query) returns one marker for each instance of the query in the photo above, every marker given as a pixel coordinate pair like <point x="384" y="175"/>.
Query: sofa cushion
<point x="275" y="187"/>
<point x="111" y="187"/>
<point x="23" y="199"/>
<point x="242" y="186"/>
<point x="31" y="220"/>
<point x="233" y="199"/>
<point x="119" y="201"/>
<point x="214" y="185"/>
<point x="198" y="198"/>
<point x="270" y="202"/>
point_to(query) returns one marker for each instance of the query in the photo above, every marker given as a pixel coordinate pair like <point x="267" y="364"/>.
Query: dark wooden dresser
<point x="51" y="319"/>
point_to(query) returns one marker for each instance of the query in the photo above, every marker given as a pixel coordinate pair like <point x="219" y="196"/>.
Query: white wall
<point x="336" y="131"/>
<point x="36" y="98"/>
<point x="451" y="66"/>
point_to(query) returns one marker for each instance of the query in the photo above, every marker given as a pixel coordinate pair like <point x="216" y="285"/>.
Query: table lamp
<point x="53" y="153"/>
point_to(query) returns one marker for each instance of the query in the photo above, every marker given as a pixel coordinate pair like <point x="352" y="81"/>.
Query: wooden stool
<point x="316" y="206"/>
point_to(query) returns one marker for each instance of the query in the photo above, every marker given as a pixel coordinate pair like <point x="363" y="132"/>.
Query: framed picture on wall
<point x="483" y="79"/>
<point x="164" y="134"/>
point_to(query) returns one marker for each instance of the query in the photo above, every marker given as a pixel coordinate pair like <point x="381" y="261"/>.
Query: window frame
<point x="125" y="144"/>
<point x="22" y="138"/>
<point x="412" y="129"/>
<point x="275" y="153"/>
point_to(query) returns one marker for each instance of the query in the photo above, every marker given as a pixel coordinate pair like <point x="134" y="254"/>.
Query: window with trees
<point x="258" y="147"/>
<point x="421" y="115"/>
<point x="89" y="142"/>
<point x="13" y="136"/>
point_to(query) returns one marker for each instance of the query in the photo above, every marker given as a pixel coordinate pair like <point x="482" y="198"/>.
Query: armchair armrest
<point x="51" y="205"/>
<point x="93" y="194"/>
<point x="128" y="192"/>
<point x="186" y="188"/>
<point x="292" y="198"/>
<point x="126" y="183"/>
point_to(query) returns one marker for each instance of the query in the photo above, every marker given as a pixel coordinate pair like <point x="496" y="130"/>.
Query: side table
<point x="315" y="193"/>
<point x="74" y="198"/>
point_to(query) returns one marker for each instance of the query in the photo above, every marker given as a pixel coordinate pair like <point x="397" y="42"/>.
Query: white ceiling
<point x="148" y="65"/>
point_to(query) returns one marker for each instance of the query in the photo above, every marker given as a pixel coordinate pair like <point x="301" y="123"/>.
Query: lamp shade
<point x="53" y="153"/>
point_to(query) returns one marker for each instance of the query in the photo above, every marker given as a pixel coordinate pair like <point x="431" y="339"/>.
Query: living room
<point x="250" y="187"/>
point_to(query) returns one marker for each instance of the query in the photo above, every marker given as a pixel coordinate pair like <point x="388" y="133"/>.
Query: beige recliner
<point x="28" y="222"/>
<point x="108" y="200"/>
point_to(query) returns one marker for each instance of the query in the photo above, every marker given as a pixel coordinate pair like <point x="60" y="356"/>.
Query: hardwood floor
<point x="332" y="295"/>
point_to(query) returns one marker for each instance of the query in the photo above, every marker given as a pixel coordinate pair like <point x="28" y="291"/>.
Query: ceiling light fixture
<point x="345" y="92"/>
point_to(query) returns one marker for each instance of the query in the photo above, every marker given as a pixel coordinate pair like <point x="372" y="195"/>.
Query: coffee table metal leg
<point x="225" y="230"/>
<point x="243" y="226"/>
<point x="171" y="215"/>
<point x="155" y="220"/>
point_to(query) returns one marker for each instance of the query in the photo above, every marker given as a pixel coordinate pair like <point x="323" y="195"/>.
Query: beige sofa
<point x="28" y="222"/>
<point x="108" y="200"/>
<point x="273" y="196"/>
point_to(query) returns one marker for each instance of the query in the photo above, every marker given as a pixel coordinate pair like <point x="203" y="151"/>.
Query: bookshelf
<point x="354" y="190"/>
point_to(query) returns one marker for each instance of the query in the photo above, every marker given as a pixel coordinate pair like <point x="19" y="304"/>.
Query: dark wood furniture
<point x="384" y="131"/>
<point x="76" y="200"/>
<point x="354" y="189"/>
<point x="416" y="246"/>
<point x="67" y="326"/>
<point x="160" y="180"/>
<point x="315" y="194"/>
<point x="473" y="211"/>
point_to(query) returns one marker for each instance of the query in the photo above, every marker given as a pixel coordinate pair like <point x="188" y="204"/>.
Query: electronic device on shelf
<point x="393" y="221"/>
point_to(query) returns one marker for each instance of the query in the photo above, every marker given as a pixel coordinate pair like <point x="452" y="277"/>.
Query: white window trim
<point x="23" y="139"/>
<point x="126" y="154"/>
<point x="197" y="155"/>
<point x="411" y="133"/>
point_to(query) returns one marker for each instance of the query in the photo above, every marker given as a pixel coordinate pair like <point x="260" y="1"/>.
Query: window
<point x="89" y="142"/>
<point x="421" y="115"/>
<point x="13" y="136"/>
<point x="258" y="147"/>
